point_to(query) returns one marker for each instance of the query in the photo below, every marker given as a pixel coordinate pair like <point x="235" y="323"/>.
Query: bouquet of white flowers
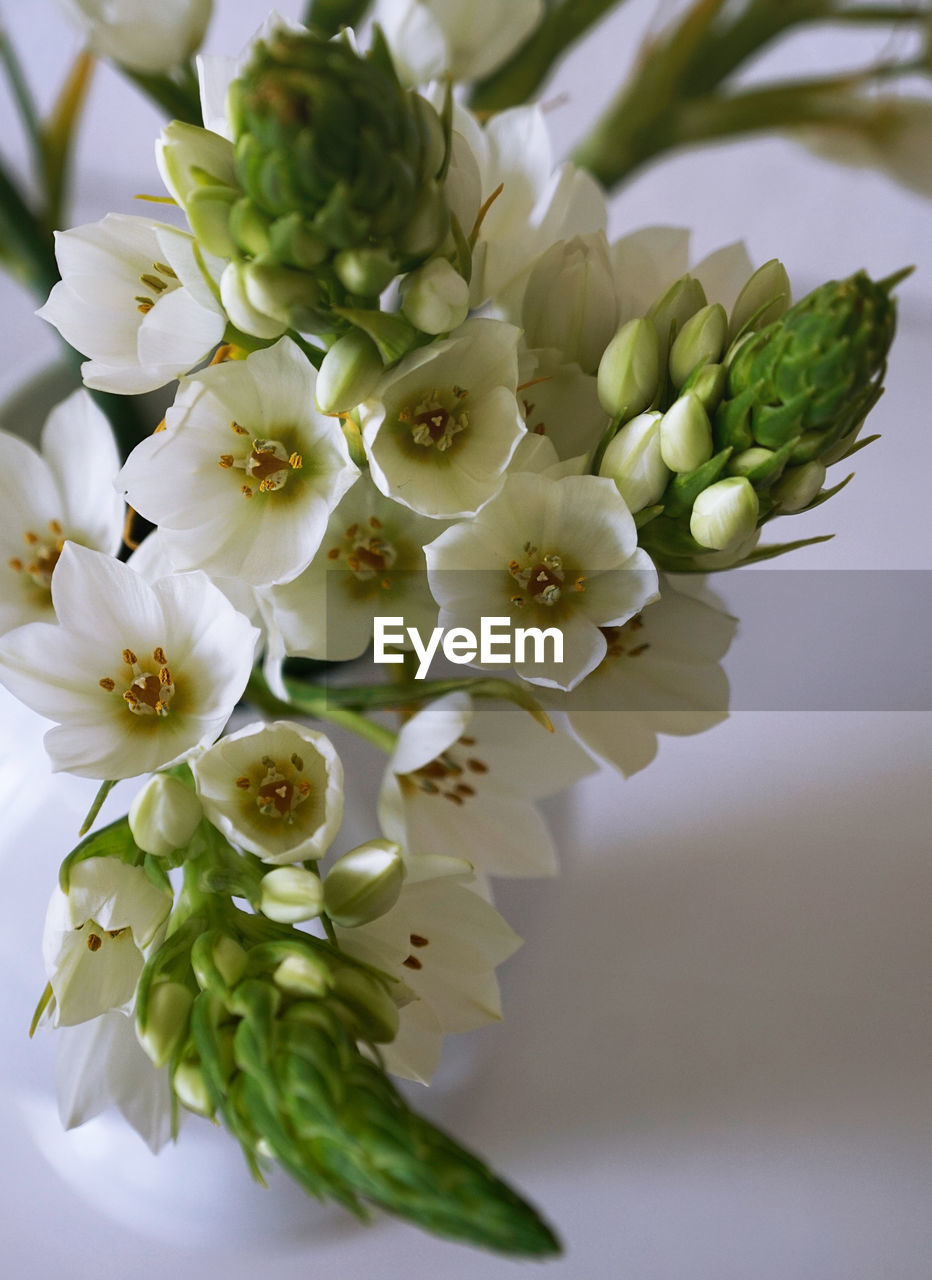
<point x="425" y="413"/>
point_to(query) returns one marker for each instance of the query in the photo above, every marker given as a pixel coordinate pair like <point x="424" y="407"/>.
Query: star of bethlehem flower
<point x="134" y="675"/>
<point x="136" y="297"/>
<point x="137" y="34"/>
<point x="661" y="674"/>
<point x="243" y="479"/>
<point x="274" y="789"/>
<point x="547" y="553"/>
<point x="97" y="937"/>
<point x="442" y="425"/>
<point x="65" y="493"/>
<point x="463" y="782"/>
<point x="370" y="562"/>
<point x="442" y="940"/>
<point x="433" y="38"/>
<point x="559" y="403"/>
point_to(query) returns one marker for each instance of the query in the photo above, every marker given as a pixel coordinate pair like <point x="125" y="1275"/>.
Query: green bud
<point x="435" y="297"/>
<point x="748" y="460"/>
<point x="240" y="310"/>
<point x="429" y="223"/>
<point x="191" y="1090"/>
<point x="365" y="271"/>
<point x="680" y="302"/>
<point x="633" y="460"/>
<point x="763" y="299"/>
<point x="291" y="894"/>
<point x="700" y="341"/>
<point x="293" y="244"/>
<point x="279" y="291"/>
<point x="725" y="514"/>
<point x="364" y="883"/>
<point x="167" y="1016"/>
<point x="250" y="227"/>
<point x="630" y="369"/>
<point x="349" y="373"/>
<point x="369" y="1002"/>
<point x="797" y="487"/>
<point x="708" y="383"/>
<point x="209" y="210"/>
<point x="164" y="815"/>
<point x="304" y="974"/>
<point x="686" y="434"/>
<point x="217" y="960"/>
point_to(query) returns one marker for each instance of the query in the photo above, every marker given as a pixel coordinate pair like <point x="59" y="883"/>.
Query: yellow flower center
<point x="279" y="792"/>
<point x="42" y="555"/>
<point x="268" y="464"/>
<point x="365" y="551"/>
<point x="149" y="692"/>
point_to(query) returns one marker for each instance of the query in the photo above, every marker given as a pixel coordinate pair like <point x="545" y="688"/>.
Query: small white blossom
<point x="274" y="789"/>
<point x="560" y="403"/>
<point x="65" y="493"/>
<point x="135" y="675"/>
<point x="243" y="479"/>
<point x="459" y="38"/>
<point x="97" y="937"/>
<point x="135" y="297"/>
<point x="146" y="37"/>
<point x="443" y="941"/>
<point x="546" y="553"/>
<point x="570" y="303"/>
<point x="464" y="783"/>
<point x="442" y="425"/>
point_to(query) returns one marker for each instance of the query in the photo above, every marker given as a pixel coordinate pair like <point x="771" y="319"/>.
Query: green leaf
<point x="392" y="334"/>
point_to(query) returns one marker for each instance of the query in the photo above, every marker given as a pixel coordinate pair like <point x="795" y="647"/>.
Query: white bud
<point x="242" y="313"/>
<point x="348" y="373"/>
<point x="700" y="341"/>
<point x="725" y="514"/>
<point x="680" y="303"/>
<point x="303" y="974"/>
<point x="763" y="299"/>
<point x="748" y="460"/>
<point x="191" y="1089"/>
<point x="435" y="298"/>
<point x="686" y="434"/>
<point x="166" y="1022"/>
<point x="364" y="883"/>
<point x="570" y="304"/>
<point x="164" y="815"/>
<point x="291" y="894"/>
<point x="634" y="461"/>
<point x="629" y="371"/>
<point x="797" y="487"/>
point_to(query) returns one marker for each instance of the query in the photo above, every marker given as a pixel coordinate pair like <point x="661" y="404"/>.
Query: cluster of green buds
<point x="274" y="1032"/>
<point x="334" y="185"/>
<point x="722" y="422"/>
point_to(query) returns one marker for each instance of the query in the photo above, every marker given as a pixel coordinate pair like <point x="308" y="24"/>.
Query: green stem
<point x="25" y="243"/>
<point x="880" y="13"/>
<point x="23" y="98"/>
<point x="317" y="702"/>
<point x="523" y="73"/>
<point x="102" y="792"/>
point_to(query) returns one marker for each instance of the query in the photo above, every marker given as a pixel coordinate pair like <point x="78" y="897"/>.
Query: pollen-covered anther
<point x="43" y="555"/>
<point x="277" y="795"/>
<point x="243" y="783"/>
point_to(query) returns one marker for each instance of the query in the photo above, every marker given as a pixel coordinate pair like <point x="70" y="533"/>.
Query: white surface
<point x="717" y="1056"/>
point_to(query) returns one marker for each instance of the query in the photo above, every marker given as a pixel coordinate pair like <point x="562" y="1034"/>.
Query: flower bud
<point x="700" y="341"/>
<point x="191" y="1090"/>
<point x="429" y="224"/>
<point x="680" y="303"/>
<point x="280" y="292"/>
<point x="435" y="298"/>
<point x="724" y="514"/>
<point x="209" y="209"/>
<point x="221" y="963"/>
<point x="370" y="1003"/>
<point x="164" y="815"/>
<point x="634" y="461"/>
<point x="629" y="371"/>
<point x="304" y="974"/>
<point x="364" y="883"/>
<point x="763" y="299"/>
<point x="348" y="373"/>
<point x="291" y="894"/>
<point x="797" y="487"/>
<point x="240" y="310"/>
<point x="708" y="383"/>
<point x="570" y="304"/>
<point x="366" y="271"/>
<point x="686" y="434"/>
<point x="748" y="460"/>
<point x="166" y="1024"/>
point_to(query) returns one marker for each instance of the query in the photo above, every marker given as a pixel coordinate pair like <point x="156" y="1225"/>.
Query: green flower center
<point x="279" y="792"/>
<point x="436" y="418"/>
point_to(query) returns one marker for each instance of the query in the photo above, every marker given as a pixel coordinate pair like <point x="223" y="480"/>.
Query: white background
<point x="716" y="1061"/>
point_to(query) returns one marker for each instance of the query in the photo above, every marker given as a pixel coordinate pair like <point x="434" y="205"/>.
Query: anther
<point x="334" y="553"/>
<point x="243" y="783"/>
<point x="226" y="460"/>
<point x="94" y="942"/>
<point x="412" y="962"/>
<point x="164" y="270"/>
<point x="240" y="431"/>
<point x="154" y="282"/>
<point x="107" y="683"/>
<point x="417" y="940"/>
<point x="158" y="655"/>
<point x="297" y="761"/>
<point x="129" y="658"/>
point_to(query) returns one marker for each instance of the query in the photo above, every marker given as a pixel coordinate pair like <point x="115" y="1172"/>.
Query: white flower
<point x="443" y="941"/>
<point x="97" y="937"/>
<point x="661" y="674"/>
<point x="138" y="34"/>
<point x="135" y="297"/>
<point x="459" y="38"/>
<point x="101" y="1064"/>
<point x="570" y="303"/>
<point x="135" y="676"/>
<point x="560" y="403"/>
<point x="243" y="479"/>
<point x="463" y="783"/>
<point x="442" y="425"/>
<point x="647" y="262"/>
<point x="547" y="553"/>
<point x="274" y="789"/>
<point x="370" y="563"/>
<point x="64" y="493"/>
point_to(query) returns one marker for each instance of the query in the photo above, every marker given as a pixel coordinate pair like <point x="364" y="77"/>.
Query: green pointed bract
<point x="796" y="394"/>
<point x="333" y="155"/>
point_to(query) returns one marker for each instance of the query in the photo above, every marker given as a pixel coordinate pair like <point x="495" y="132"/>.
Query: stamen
<point x="417" y="940"/>
<point x="158" y="655"/>
<point x="145" y="305"/>
<point x="164" y="270"/>
<point x="243" y="784"/>
<point x="107" y="683"/>
<point x="297" y="761"/>
<point x="56" y="528"/>
<point x="94" y="943"/>
<point x="226" y="460"/>
<point x="153" y="282"/>
<point x="30" y="538"/>
<point x="412" y="962"/>
<point x="129" y="657"/>
<point x="240" y="431"/>
<point x="334" y="553"/>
